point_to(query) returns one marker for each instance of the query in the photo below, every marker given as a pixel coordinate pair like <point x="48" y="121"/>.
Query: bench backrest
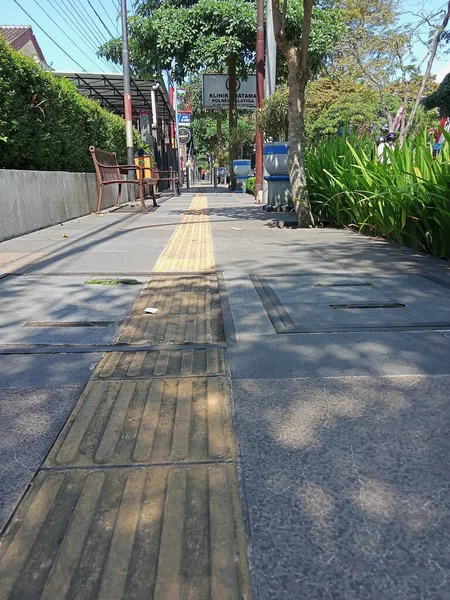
<point x="102" y="158"/>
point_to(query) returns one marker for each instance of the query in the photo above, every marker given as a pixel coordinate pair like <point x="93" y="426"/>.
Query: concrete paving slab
<point x="347" y="486"/>
<point x="128" y="533"/>
<point x="255" y="261"/>
<point x="46" y="370"/>
<point x="165" y="421"/>
<point x="58" y="300"/>
<point x="100" y="262"/>
<point x="328" y="355"/>
<point x="30" y="420"/>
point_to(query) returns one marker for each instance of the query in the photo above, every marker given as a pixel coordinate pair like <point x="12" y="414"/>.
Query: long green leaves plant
<point x="404" y="198"/>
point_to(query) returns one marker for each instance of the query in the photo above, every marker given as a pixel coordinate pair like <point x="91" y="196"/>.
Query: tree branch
<point x="433" y="51"/>
<point x="306" y="30"/>
<point x="278" y="26"/>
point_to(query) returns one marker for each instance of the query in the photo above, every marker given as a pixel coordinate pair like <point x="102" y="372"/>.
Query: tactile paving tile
<point x="190" y="247"/>
<point x="161" y="363"/>
<point x="154" y="533"/>
<point x="138" y="421"/>
<point x="189" y="311"/>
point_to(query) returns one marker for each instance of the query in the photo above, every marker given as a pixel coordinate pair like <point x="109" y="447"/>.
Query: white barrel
<point x="276" y="158"/>
<point x="242" y="168"/>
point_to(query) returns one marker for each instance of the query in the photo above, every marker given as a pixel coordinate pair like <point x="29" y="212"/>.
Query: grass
<point x="407" y="200"/>
<point x="112" y="282"/>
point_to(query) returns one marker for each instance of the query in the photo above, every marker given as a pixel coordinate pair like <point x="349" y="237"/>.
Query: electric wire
<point x="92" y="26"/>
<point x="65" y="33"/>
<point x="79" y="22"/>
<point x="108" y="15"/>
<point x="49" y="36"/>
<point x="100" y="19"/>
<point x="78" y="32"/>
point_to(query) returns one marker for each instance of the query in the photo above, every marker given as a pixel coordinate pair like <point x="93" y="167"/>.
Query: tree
<point x="380" y="51"/>
<point x="333" y="102"/>
<point x="439" y="99"/>
<point x="330" y="103"/>
<point x="188" y="37"/>
<point x="305" y="35"/>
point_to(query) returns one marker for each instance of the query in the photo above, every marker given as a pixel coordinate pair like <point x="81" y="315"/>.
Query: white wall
<point x="31" y="200"/>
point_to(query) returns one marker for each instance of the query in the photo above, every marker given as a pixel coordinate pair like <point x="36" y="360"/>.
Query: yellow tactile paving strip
<point x="188" y="312"/>
<point x="147" y="421"/>
<point x="132" y="533"/>
<point x="161" y="363"/>
<point x="190" y="247"/>
<point x="139" y="496"/>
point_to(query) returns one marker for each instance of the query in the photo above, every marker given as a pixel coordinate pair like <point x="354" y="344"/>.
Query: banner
<point x="216" y="92"/>
<point x="398" y="117"/>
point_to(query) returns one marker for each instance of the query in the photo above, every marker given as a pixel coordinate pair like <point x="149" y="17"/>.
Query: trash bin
<point x="277" y="168"/>
<point x="241" y="170"/>
<point x="145" y="160"/>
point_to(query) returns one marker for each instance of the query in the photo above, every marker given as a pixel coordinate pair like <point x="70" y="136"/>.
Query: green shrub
<point x="406" y="198"/>
<point x="46" y="124"/>
<point x="250" y="186"/>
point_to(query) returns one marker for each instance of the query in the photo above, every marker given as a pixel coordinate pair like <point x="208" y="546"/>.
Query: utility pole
<point x="271" y="71"/>
<point x="177" y="129"/>
<point x="271" y="52"/>
<point x="127" y="89"/>
<point x="259" y="97"/>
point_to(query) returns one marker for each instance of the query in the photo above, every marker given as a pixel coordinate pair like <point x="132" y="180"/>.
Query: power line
<point x="75" y="18"/>
<point x="65" y="33"/>
<point x="107" y="13"/>
<point x="78" y="33"/>
<point x="100" y="19"/>
<point x="93" y="27"/>
<point x="49" y="36"/>
<point x="81" y="25"/>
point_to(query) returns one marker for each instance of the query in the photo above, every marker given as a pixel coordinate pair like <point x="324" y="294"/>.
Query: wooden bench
<point x="109" y="172"/>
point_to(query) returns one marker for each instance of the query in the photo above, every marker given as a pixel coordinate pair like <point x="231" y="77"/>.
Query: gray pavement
<point x="343" y="430"/>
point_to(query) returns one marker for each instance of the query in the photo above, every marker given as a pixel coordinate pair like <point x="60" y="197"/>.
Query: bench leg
<point x="153" y="192"/>
<point x="141" y="197"/>
<point x="119" y="194"/>
<point x="100" y="194"/>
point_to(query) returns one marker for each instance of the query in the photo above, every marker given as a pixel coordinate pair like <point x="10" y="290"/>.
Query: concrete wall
<point x="31" y="200"/>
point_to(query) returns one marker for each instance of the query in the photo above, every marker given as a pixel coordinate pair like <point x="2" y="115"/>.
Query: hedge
<point x="46" y="124"/>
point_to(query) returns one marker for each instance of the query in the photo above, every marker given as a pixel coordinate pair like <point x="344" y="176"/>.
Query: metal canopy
<point x="107" y="89"/>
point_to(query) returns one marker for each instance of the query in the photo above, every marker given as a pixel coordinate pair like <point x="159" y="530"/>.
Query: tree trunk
<point x="220" y="139"/>
<point x="232" y="116"/>
<point x="297" y="174"/>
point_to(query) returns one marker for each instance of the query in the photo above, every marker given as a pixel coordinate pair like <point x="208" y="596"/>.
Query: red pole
<point x="259" y="96"/>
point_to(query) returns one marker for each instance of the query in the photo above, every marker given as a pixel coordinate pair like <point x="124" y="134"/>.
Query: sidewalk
<point x="287" y="402"/>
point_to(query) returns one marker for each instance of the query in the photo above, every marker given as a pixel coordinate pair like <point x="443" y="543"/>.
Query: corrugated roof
<point x="12" y="32"/>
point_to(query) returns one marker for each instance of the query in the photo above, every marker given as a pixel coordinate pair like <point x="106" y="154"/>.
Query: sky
<point x="75" y="26"/>
<point x="80" y="31"/>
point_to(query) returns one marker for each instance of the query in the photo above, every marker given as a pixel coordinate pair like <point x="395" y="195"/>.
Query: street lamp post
<point x="259" y="98"/>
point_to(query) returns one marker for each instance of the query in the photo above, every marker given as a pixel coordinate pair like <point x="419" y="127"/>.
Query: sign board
<point x="184" y="119"/>
<point x="216" y="92"/>
<point x="184" y="135"/>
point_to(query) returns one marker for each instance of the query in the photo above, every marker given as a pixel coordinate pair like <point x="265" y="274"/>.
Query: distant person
<point x="381" y="145"/>
<point x="203" y="173"/>
<point x="391" y="138"/>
